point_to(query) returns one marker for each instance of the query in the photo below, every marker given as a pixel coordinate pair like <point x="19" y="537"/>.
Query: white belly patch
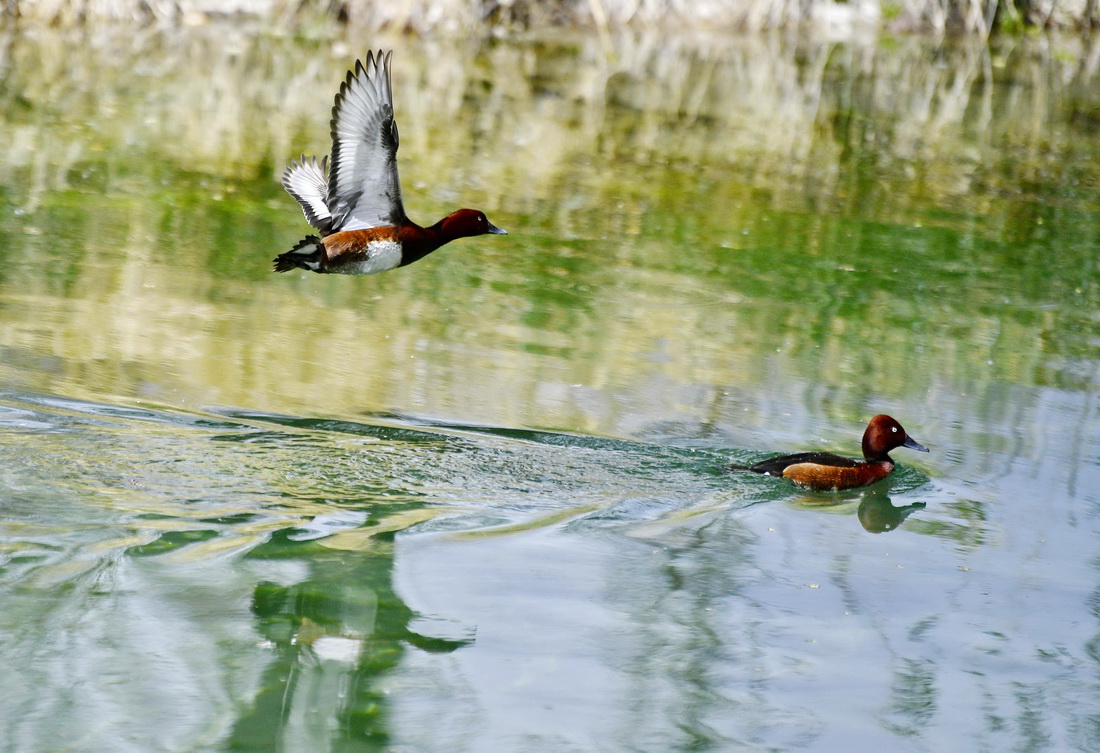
<point x="382" y="256"/>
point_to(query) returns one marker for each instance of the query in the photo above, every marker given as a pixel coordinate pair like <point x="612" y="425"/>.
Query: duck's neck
<point x="883" y="460"/>
<point x="417" y="242"/>
<point x="871" y="455"/>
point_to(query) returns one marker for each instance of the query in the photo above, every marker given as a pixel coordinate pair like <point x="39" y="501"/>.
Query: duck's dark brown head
<point x="465" y="223"/>
<point x="884" y="434"/>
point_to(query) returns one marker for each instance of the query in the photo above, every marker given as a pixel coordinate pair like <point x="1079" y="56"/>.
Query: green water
<point x="478" y="504"/>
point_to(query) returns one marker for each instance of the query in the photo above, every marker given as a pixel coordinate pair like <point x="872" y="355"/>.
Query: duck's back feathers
<point x="363" y="187"/>
<point x="776" y="466"/>
<point x="307" y="182"/>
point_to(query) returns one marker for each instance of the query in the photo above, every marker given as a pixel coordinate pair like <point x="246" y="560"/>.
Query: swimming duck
<point x="355" y="202"/>
<point x="824" y="471"/>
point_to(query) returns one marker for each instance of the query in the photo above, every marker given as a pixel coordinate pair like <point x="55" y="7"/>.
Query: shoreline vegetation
<point x="838" y="19"/>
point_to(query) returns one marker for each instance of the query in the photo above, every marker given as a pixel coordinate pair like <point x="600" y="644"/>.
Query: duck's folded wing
<point x="306" y="182"/>
<point x="363" y="187"/>
<point x="776" y="466"/>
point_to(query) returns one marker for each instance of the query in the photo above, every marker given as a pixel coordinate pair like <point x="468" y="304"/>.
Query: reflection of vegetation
<point x="965" y="521"/>
<point x="730" y="211"/>
<point x="336" y="635"/>
<point x="914" y="697"/>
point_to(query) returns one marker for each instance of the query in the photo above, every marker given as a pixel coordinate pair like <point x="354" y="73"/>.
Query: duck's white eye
<point x="894" y="429"/>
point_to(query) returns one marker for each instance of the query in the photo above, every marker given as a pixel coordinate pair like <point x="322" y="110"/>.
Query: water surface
<point x="479" y="504"/>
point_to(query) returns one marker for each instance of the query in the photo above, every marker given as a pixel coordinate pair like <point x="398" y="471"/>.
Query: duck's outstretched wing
<point x="363" y="188"/>
<point x="306" y="182"/>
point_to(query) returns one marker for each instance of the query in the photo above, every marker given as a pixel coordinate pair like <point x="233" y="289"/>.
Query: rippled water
<point x="480" y="503"/>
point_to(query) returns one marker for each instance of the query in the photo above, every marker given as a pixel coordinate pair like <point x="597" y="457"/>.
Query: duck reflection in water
<point x="877" y="514"/>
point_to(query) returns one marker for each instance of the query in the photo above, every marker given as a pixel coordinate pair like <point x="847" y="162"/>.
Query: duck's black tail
<point x="307" y="254"/>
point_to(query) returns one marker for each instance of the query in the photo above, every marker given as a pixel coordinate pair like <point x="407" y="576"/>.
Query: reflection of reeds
<point x="787" y="113"/>
<point x="653" y="141"/>
<point x="464" y="16"/>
